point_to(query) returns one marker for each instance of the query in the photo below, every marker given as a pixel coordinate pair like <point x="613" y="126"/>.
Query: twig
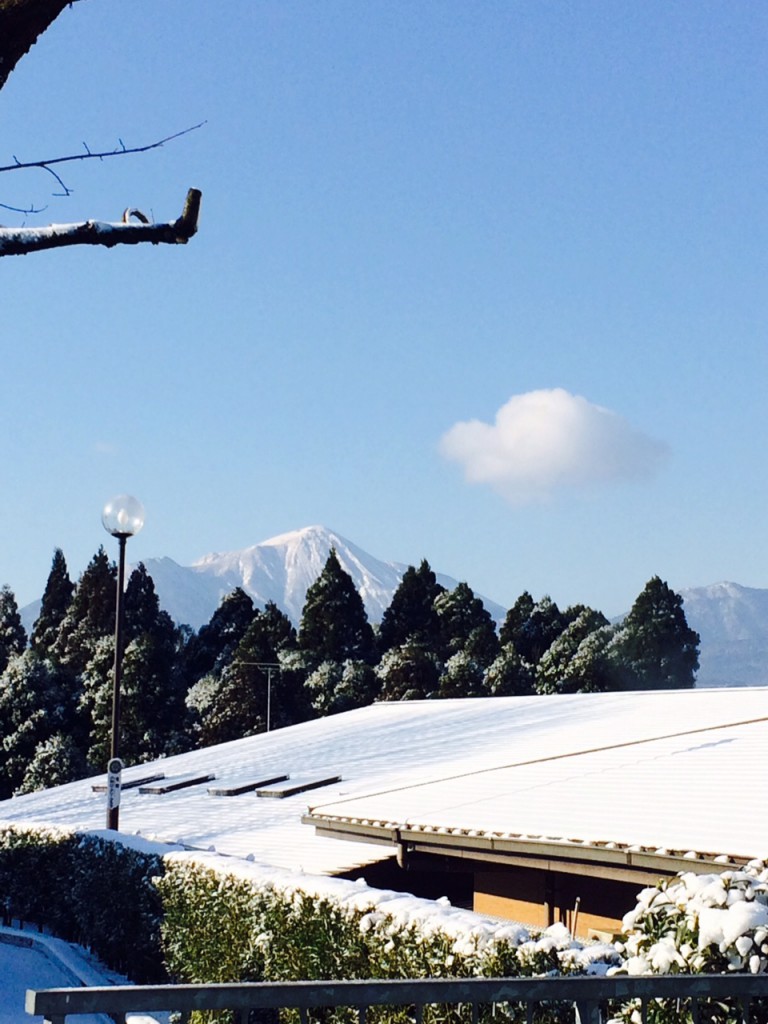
<point x="19" y="209"/>
<point x="122" y="150"/>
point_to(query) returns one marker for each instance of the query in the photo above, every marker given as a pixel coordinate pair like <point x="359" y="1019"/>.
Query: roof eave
<point x="621" y="862"/>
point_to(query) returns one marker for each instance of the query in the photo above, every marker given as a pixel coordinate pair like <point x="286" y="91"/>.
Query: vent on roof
<point x="298" y="786"/>
<point x="140" y="780"/>
<point x="245" y="787"/>
<point x="180" y="782"/>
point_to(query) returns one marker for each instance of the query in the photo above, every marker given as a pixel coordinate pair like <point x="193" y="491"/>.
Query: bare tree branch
<point x="122" y="150"/>
<point x="21" y="24"/>
<point x="21" y="209"/>
<point x="20" y="241"/>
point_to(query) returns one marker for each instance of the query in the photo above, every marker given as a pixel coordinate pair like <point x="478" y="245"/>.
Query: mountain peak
<point x="280" y="569"/>
<point x="303" y="534"/>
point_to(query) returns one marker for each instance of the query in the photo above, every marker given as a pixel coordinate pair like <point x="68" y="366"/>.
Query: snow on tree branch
<point x="20" y="241"/>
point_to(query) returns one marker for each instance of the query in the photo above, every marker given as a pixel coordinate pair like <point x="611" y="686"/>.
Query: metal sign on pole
<point x="114" y="783"/>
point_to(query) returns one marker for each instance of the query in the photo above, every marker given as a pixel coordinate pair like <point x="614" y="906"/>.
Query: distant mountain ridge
<point x="281" y="570"/>
<point x="731" y="620"/>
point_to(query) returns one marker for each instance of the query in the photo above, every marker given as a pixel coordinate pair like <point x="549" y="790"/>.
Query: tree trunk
<point x="21" y="22"/>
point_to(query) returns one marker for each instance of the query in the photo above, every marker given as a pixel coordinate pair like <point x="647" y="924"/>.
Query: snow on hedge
<point x="391" y="917"/>
<point x="700" y="924"/>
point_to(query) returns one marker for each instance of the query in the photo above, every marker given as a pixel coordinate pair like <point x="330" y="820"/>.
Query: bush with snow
<point x="86" y="889"/>
<point x="224" y="919"/>
<point x="698" y="924"/>
<point x="265" y="923"/>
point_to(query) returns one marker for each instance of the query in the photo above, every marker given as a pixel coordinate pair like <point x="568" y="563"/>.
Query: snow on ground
<point x="30" y="960"/>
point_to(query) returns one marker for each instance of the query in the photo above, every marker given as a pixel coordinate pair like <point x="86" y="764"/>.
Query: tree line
<point x="249" y="668"/>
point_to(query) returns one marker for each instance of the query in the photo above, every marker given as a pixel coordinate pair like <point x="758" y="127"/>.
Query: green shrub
<point x="88" y="890"/>
<point x="204" y="918"/>
<point x="698" y="924"/>
<point x="226" y="923"/>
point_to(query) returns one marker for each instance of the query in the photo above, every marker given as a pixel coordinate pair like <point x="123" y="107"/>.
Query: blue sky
<point x="485" y="283"/>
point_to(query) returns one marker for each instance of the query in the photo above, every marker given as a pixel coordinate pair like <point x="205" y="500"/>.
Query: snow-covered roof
<point x="659" y="772"/>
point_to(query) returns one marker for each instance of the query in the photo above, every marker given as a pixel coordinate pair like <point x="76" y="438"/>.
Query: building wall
<point x="534" y="896"/>
<point x="541" y="897"/>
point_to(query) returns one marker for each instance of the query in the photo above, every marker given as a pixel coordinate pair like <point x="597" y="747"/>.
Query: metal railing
<point x="587" y="996"/>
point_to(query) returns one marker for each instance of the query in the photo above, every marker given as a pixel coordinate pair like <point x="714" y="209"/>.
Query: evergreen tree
<point x="462" y="615"/>
<point x="483" y="644"/>
<point x="91" y="614"/>
<point x="270" y="632"/>
<point x="560" y="670"/>
<point x="334" y="625"/>
<point x="462" y="676"/>
<point x="152" y="699"/>
<point x="655" y="648"/>
<point x="141" y="605"/>
<point x="84" y="644"/>
<point x="55" y="761"/>
<point x="342" y="686"/>
<point x="508" y="675"/>
<point x="94" y="702"/>
<point x="409" y="672"/>
<point x="593" y="667"/>
<point x="516" y="619"/>
<point x="13" y="636"/>
<point x="293" y="701"/>
<point x="532" y="627"/>
<point x="212" y="716"/>
<point x="257" y="672"/>
<point x="235" y="700"/>
<point x="411" y="614"/>
<point x="57" y="597"/>
<point x="153" y="718"/>
<point x="216" y="643"/>
<point x="34" y="705"/>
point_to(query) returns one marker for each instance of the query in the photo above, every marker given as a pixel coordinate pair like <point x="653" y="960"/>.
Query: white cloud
<point x="545" y="440"/>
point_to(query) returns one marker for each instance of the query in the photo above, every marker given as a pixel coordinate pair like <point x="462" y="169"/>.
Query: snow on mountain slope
<point x="281" y="570"/>
<point x="732" y="622"/>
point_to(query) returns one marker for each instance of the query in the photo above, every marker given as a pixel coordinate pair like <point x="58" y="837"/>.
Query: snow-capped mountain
<point x="732" y="622"/>
<point x="280" y="570"/>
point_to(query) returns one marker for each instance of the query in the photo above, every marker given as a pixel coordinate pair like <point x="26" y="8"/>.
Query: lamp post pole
<point x="117" y="675"/>
<point x="122" y="517"/>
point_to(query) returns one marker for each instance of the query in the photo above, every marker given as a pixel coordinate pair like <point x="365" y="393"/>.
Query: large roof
<point x="671" y="774"/>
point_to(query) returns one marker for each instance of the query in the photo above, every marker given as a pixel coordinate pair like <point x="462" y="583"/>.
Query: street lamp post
<point x="122" y="517"/>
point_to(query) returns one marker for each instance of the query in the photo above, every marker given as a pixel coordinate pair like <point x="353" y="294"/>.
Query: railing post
<point x="587" y="1012"/>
